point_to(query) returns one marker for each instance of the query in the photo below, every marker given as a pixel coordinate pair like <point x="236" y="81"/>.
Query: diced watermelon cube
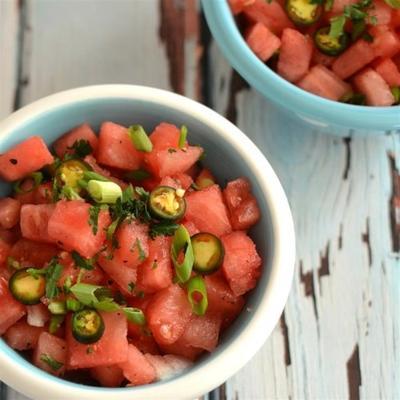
<point x="110" y="349"/>
<point x="242" y="205"/>
<point x="9" y="212"/>
<point x="35" y="220"/>
<point x="172" y="161"/>
<point x="221" y="300"/>
<point x="202" y="332"/>
<point x="82" y="132"/>
<point x="323" y="82"/>
<point x="374" y="87"/>
<point x="381" y="11"/>
<point x="242" y="263"/>
<point x="108" y="376"/>
<point x="168" y="313"/>
<point x="156" y="272"/>
<point x="386" y="44"/>
<point x="339" y="5"/>
<point x="237" y="6"/>
<point x="178" y="181"/>
<point x="137" y="368"/>
<point x="22" y="336"/>
<point x="18" y="161"/>
<point x="32" y="254"/>
<point x="262" y="41"/>
<point x="115" y="148"/>
<point x="145" y="343"/>
<point x="295" y="55"/>
<point x="182" y="349"/>
<point x="69" y="226"/>
<point x="323" y="59"/>
<point x="395" y="19"/>
<point x="40" y="195"/>
<point x="190" y="226"/>
<point x="11" y="309"/>
<point x="53" y="347"/>
<point x="353" y="59"/>
<point x="37" y="315"/>
<point x="5" y="249"/>
<point x="206" y="209"/>
<point x="168" y="366"/>
<point x="271" y="14"/>
<point x="165" y="136"/>
<point x="388" y="70"/>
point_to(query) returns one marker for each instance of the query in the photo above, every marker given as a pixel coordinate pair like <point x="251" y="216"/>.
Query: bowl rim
<point x="34" y="382"/>
<point x="228" y="37"/>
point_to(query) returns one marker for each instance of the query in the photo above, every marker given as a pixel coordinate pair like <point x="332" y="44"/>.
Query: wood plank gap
<point x="395" y="205"/>
<point x="354" y="374"/>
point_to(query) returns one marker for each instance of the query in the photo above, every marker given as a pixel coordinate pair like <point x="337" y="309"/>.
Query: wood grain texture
<point x="9" y="28"/>
<point x="340" y="325"/>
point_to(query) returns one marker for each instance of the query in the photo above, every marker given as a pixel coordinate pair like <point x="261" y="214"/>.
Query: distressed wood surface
<point x="339" y="335"/>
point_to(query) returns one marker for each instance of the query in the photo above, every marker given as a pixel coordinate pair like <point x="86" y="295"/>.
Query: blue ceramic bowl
<point x="229" y="153"/>
<point x="312" y="112"/>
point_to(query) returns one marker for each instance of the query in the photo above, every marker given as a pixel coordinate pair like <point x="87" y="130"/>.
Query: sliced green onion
<point x="182" y="242"/>
<point x="138" y="175"/>
<point x="140" y="139"/>
<point x="396" y="94"/>
<point x="51" y="362"/>
<point x="337" y="26"/>
<point x="37" y="180"/>
<point x="108" y="304"/>
<point x="85" y="293"/>
<point x="73" y="305"/>
<point x="182" y="136"/>
<point x="104" y="192"/>
<point x="134" y="315"/>
<point x="393" y="3"/>
<point x="57" y="308"/>
<point x="55" y="323"/>
<point x="197" y="288"/>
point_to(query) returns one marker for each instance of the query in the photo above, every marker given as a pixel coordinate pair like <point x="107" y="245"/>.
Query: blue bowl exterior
<point x="312" y="112"/>
<point x="220" y="157"/>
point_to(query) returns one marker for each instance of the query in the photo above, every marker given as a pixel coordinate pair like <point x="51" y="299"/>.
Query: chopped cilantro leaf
<point x="84" y="263"/>
<point x="53" y="274"/>
<point x="142" y="254"/>
<point x="163" y="228"/>
<point x="81" y="148"/>
<point x="94" y="212"/>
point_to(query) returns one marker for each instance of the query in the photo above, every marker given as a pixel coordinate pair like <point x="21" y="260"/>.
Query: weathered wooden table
<point x="339" y="336"/>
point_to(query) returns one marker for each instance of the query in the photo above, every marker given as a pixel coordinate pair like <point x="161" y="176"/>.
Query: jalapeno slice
<point x="26" y="288"/>
<point x="87" y="326"/>
<point x="303" y="12"/>
<point x="70" y="172"/>
<point x="208" y="253"/>
<point x="167" y="203"/>
<point x="329" y="45"/>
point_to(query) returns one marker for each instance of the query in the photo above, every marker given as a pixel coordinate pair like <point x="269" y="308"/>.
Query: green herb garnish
<point x="51" y="362"/>
<point x="140" y="139"/>
<point x="81" y="148"/>
<point x="84" y="263"/>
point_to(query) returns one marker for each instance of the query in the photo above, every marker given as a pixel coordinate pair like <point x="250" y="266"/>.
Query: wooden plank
<point x="9" y="23"/>
<point x="339" y="334"/>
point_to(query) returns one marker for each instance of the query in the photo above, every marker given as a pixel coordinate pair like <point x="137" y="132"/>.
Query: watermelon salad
<point x="343" y="50"/>
<point x="121" y="258"/>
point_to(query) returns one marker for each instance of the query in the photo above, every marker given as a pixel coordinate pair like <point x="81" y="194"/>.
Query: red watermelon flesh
<point x="110" y="349"/>
<point x="145" y="343"/>
<point x="165" y="136"/>
<point x="382" y="12"/>
<point x="9" y="212"/>
<point x="69" y="227"/>
<point x="53" y="347"/>
<point x="82" y="132"/>
<point x="35" y="220"/>
<point x="323" y="82"/>
<point x="386" y="43"/>
<point x="375" y="89"/>
<point x="206" y="209"/>
<point x="32" y="254"/>
<point x="388" y="70"/>
<point x="295" y="55"/>
<point x="108" y="376"/>
<point x="11" y="309"/>
<point x="115" y="148"/>
<point x="172" y="161"/>
<point x="5" y="249"/>
<point x="242" y="263"/>
<point x="22" y="336"/>
<point x="178" y="181"/>
<point x="237" y="6"/>
<point x="168" y="313"/>
<point x="37" y="315"/>
<point x="18" y="161"/>
<point x="221" y="300"/>
<point x="156" y="272"/>
<point x="262" y="41"/>
<point x="271" y="14"/>
<point x="353" y="59"/>
<point x="137" y="368"/>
